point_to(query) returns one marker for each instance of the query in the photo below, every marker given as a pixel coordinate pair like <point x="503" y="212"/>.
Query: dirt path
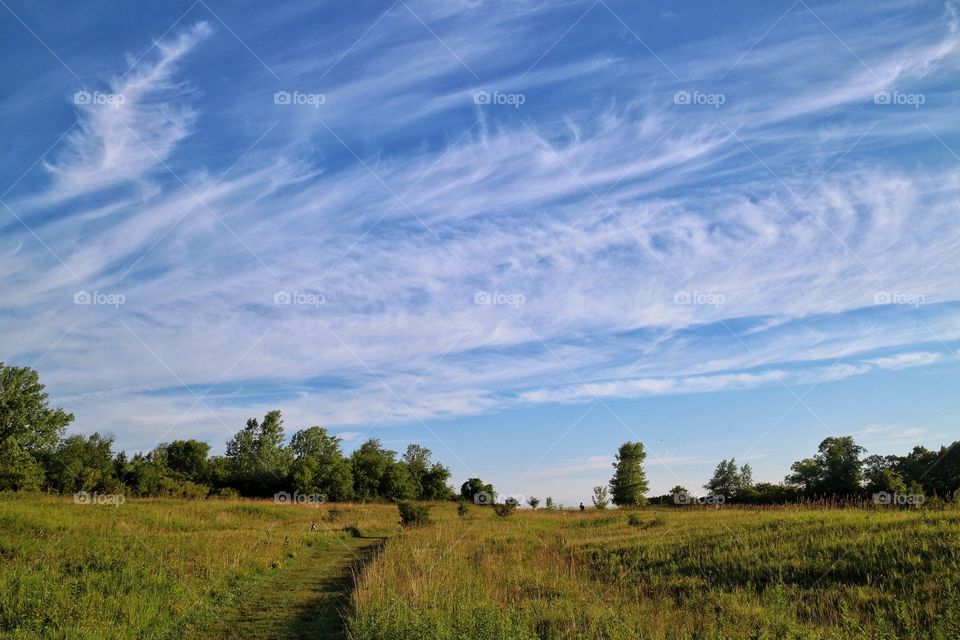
<point x="305" y="600"/>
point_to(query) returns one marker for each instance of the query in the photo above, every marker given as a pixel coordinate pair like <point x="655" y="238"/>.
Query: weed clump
<point x="413" y="514"/>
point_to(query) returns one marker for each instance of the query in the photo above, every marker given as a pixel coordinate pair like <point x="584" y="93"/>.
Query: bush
<point x="413" y="514"/>
<point x="462" y="510"/>
<point x="634" y="520"/>
<point x="505" y="509"/>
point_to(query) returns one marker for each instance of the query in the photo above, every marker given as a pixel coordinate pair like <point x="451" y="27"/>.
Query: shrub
<point x="413" y="514"/>
<point x="462" y="510"/>
<point x="506" y="508"/>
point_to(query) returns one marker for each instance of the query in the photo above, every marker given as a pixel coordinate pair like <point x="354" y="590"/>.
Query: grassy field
<point x="172" y="569"/>
<point x="247" y="569"/>
<point x="700" y="573"/>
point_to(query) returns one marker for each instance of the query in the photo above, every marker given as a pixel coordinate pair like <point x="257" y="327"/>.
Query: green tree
<point x="19" y="471"/>
<point x="417" y="460"/>
<point x="729" y="481"/>
<point x="836" y="470"/>
<point x="188" y="458"/>
<point x="601" y="497"/>
<point x="25" y="413"/>
<point x="629" y="483"/>
<point x="476" y="491"/>
<point x="370" y="464"/>
<point x="259" y="461"/>
<point x="533" y="502"/>
<point x="434" y="483"/>
<point x="319" y="466"/>
<point x="82" y="463"/>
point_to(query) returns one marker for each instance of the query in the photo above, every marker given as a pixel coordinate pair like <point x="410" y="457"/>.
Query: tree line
<point x="35" y="454"/>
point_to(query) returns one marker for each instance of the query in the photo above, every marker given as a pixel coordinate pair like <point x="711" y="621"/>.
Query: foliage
<point x="259" y="461"/>
<point x="19" y="471"/>
<point x="600" y="498"/>
<point x="413" y="513"/>
<point x="474" y="490"/>
<point x="533" y="502"/>
<point x="728" y="481"/>
<point x="25" y="413"/>
<point x="629" y="483"/>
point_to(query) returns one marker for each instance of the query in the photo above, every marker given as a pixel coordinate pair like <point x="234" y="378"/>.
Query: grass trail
<point x="306" y="599"/>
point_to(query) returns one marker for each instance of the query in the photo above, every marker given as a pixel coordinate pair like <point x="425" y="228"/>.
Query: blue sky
<point x="520" y="233"/>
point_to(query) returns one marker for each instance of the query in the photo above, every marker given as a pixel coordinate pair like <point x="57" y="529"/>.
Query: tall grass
<point x="670" y="573"/>
<point x="149" y="568"/>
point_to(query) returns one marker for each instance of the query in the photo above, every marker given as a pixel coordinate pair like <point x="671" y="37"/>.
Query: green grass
<point x="703" y="573"/>
<point x="247" y="569"/>
<point x="164" y="568"/>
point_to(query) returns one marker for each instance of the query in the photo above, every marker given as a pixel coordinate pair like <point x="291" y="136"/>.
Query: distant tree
<point x="189" y="459"/>
<point x="259" y="461"/>
<point x="319" y="466"/>
<point x="82" y="463"/>
<point x="417" y="460"/>
<point x="601" y="497"/>
<point x="836" y="470"/>
<point x="19" y="471"/>
<point x="629" y="483"/>
<point x="533" y="502"/>
<point x="476" y="491"/>
<point x="433" y="485"/>
<point x="729" y="481"/>
<point x="370" y="464"/>
<point x="25" y="413"/>
<point x="398" y="483"/>
<point x="548" y="505"/>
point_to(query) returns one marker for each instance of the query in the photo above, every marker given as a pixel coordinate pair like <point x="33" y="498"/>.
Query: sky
<point x="517" y="232"/>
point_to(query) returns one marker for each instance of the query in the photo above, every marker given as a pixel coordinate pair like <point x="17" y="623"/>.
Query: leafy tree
<point x="836" y="470"/>
<point x="259" y="461"/>
<point x="82" y="463"/>
<point x="601" y="497"/>
<point x="433" y="485"/>
<point x="188" y="458"/>
<point x="533" y="502"/>
<point x="417" y="460"/>
<point x="25" y="413"/>
<point x="319" y="466"/>
<point x="629" y="483"/>
<point x="730" y="482"/>
<point x="370" y="464"/>
<point x="474" y="487"/>
<point x="548" y="505"/>
<point x="398" y="483"/>
<point x="19" y="471"/>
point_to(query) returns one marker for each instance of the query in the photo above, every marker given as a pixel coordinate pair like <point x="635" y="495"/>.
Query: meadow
<point x="156" y="568"/>
<point x="667" y="573"/>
